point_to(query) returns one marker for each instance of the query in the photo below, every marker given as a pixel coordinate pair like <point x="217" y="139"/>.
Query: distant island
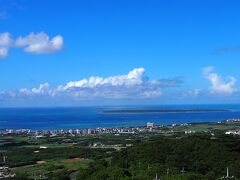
<point x="141" y="111"/>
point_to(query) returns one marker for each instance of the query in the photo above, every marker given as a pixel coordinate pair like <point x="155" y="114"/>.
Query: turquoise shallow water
<point x="91" y="117"/>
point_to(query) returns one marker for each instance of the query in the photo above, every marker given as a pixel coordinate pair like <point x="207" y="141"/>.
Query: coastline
<point x="156" y="125"/>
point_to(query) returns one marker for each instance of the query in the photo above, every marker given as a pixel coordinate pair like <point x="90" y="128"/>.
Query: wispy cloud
<point x="37" y="43"/>
<point x="6" y="6"/>
<point x="5" y="43"/>
<point x="192" y="93"/>
<point x="227" y="49"/>
<point x="133" y="85"/>
<point x="3" y="14"/>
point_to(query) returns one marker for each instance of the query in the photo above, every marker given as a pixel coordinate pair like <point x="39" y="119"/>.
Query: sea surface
<point x="92" y="117"/>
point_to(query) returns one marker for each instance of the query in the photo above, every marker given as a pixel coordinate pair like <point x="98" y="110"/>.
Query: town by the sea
<point x="93" y="117"/>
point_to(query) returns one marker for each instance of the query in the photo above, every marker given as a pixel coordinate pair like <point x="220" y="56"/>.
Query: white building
<point x="150" y="125"/>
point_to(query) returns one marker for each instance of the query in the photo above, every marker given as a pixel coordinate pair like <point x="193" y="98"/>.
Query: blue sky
<point x="179" y="52"/>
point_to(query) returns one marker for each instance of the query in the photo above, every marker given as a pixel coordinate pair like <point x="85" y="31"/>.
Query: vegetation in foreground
<point x="169" y="153"/>
<point x="192" y="157"/>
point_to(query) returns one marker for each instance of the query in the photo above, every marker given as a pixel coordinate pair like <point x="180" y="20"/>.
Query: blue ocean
<point x="92" y="117"/>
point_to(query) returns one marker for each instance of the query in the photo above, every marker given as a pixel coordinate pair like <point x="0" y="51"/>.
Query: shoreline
<point x="156" y="125"/>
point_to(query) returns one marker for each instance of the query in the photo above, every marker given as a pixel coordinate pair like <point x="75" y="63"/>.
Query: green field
<point x="208" y="127"/>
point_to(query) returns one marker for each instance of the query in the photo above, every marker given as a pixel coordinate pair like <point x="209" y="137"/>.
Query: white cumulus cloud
<point x="37" y="43"/>
<point x="40" y="43"/>
<point x="133" y="85"/>
<point x="133" y="78"/>
<point x="43" y="89"/>
<point x="218" y="85"/>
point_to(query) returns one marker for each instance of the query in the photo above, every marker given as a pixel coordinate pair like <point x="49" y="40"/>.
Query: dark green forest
<point x="192" y="157"/>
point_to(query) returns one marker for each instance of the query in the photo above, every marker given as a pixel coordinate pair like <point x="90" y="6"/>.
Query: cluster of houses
<point x="233" y="120"/>
<point x="80" y="132"/>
